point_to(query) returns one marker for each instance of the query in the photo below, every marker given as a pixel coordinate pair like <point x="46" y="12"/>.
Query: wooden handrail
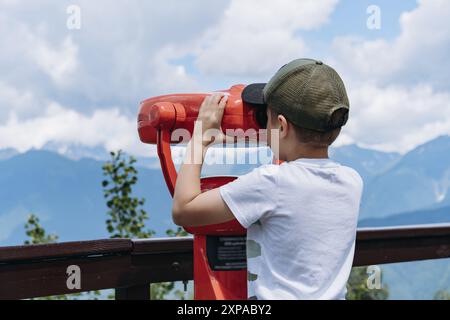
<point x="402" y="244"/>
<point x="130" y="266"/>
<point x="64" y="250"/>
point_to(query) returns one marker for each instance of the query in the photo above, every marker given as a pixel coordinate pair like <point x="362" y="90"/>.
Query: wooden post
<point x="140" y="292"/>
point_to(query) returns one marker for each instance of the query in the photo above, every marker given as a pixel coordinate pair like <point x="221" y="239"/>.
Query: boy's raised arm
<point x="191" y="207"/>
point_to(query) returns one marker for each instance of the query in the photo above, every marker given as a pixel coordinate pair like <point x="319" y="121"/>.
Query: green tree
<point x="36" y="233"/>
<point x="180" y="232"/>
<point x="442" y="295"/>
<point x="127" y="217"/>
<point x="357" y="288"/>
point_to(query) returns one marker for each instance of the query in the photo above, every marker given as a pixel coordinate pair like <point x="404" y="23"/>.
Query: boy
<point x="302" y="215"/>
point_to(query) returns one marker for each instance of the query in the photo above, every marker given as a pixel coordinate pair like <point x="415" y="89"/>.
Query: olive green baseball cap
<point x="306" y="91"/>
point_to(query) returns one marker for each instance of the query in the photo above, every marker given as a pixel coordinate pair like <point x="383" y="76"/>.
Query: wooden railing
<point x="130" y="266"/>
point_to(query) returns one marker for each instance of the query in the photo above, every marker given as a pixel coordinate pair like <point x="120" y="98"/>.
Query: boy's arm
<point x="191" y="207"/>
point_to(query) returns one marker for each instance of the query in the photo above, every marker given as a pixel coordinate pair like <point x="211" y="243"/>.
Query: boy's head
<point x="306" y="100"/>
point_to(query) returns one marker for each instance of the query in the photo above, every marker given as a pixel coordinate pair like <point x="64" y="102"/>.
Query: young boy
<point x="302" y="215"/>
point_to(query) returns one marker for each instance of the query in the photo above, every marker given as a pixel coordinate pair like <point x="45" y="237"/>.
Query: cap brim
<point x="253" y="94"/>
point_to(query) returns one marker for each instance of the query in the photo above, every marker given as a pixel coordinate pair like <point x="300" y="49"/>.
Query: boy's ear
<point x="283" y="126"/>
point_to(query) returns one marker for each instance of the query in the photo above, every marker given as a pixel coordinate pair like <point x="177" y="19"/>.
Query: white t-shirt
<point x="301" y="218"/>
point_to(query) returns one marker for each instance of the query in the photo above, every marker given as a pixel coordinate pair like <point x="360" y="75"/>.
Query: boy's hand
<point x="208" y="125"/>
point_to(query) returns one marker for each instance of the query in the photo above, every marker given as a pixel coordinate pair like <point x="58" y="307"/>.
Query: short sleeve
<point x="252" y="196"/>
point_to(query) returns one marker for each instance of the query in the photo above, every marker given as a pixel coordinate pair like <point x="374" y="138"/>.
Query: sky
<point x="80" y="84"/>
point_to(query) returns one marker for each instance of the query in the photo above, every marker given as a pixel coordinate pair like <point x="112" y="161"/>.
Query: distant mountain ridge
<point x="368" y="163"/>
<point x="67" y="194"/>
<point x="418" y="180"/>
<point x="7" y="153"/>
<point x="419" y="217"/>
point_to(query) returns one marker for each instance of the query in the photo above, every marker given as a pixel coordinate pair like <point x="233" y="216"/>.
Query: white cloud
<point x="59" y="63"/>
<point x="397" y="118"/>
<point x="399" y="89"/>
<point x="57" y="86"/>
<point x="108" y="128"/>
<point x="417" y="55"/>
<point x="255" y="37"/>
<point x="34" y="53"/>
<point x="5" y="3"/>
<point x="12" y="100"/>
<point x="170" y="77"/>
<point x="116" y="57"/>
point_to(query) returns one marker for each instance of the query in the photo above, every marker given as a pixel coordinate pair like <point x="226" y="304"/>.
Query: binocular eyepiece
<point x="180" y="111"/>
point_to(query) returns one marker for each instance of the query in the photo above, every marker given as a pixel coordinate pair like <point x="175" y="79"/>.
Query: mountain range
<point x="67" y="196"/>
<point x="418" y="180"/>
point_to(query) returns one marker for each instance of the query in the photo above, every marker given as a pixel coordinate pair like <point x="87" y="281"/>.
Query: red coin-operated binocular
<point x="220" y="271"/>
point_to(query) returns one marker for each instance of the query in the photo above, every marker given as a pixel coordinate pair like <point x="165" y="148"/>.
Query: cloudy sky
<point x="82" y="87"/>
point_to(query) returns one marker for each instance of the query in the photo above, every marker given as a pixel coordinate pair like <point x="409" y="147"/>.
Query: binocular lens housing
<point x="180" y="111"/>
